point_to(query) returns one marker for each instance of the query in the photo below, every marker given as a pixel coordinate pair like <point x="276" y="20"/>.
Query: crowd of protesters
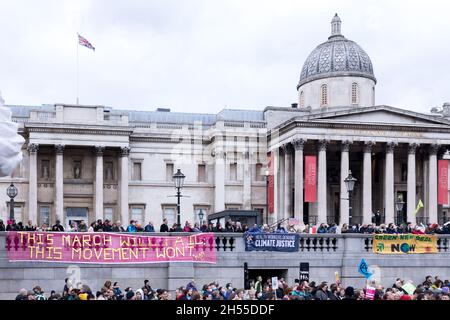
<point x="231" y="226"/>
<point x="430" y="289"/>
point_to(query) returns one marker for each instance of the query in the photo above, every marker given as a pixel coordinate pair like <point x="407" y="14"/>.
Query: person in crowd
<point x="149" y="227"/>
<point x="98" y="226"/>
<point x="30" y="226"/>
<point x="322" y="228"/>
<point x="107" y="227"/>
<point x="322" y="292"/>
<point x="92" y="227"/>
<point x="218" y="227"/>
<point x="2" y="226"/>
<point x="58" y="226"/>
<point x="117" y="227"/>
<point x="164" y="227"/>
<point x="132" y="226"/>
<point x="82" y="227"/>
<point x="187" y="227"/>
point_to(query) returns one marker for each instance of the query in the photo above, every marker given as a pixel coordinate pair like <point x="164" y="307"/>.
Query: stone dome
<point x="336" y="57"/>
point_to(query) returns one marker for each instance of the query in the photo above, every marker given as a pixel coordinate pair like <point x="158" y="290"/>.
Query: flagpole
<point x="78" y="75"/>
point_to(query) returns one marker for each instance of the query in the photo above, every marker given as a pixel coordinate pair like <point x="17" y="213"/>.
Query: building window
<point x="170" y="213"/>
<point x="201" y="173"/>
<point x="355" y="93"/>
<point x="258" y="172"/>
<point x="44" y="215"/>
<point x="302" y="99"/>
<point x="233" y="171"/>
<point x="45" y="169"/>
<point x="18" y="209"/>
<point x="169" y="172"/>
<point x="108" y="214"/>
<point x="324" y="95"/>
<point x="137" y="172"/>
<point x="373" y="96"/>
<point x="77" y="169"/>
<point x="109" y="171"/>
<point x="137" y="214"/>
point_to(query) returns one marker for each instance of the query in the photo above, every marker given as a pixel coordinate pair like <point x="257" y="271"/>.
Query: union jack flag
<point x="82" y="41"/>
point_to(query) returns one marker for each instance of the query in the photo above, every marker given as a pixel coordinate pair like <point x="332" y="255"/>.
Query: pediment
<point x="379" y="115"/>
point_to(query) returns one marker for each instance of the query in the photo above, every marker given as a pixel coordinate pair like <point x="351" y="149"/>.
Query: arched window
<point x="355" y="93"/>
<point x="323" y="95"/>
<point x="373" y="96"/>
<point x="302" y="99"/>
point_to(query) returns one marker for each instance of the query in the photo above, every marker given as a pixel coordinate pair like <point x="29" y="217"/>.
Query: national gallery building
<point x="87" y="162"/>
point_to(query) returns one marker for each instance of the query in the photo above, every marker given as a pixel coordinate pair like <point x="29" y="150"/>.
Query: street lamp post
<point x="200" y="216"/>
<point x="350" y="184"/>
<point x="399" y="204"/>
<point x="178" y="179"/>
<point x="12" y="193"/>
<point x="266" y="173"/>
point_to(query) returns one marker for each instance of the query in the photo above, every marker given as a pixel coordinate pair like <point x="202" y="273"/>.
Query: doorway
<point x="266" y="275"/>
<point x="306" y="212"/>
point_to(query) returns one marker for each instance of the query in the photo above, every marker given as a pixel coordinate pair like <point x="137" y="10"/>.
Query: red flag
<point x="310" y="178"/>
<point x="443" y="182"/>
<point x="271" y="189"/>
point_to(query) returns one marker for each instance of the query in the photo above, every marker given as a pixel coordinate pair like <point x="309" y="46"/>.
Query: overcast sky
<point x="203" y="56"/>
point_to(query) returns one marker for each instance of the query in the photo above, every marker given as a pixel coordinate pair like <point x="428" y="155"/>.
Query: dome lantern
<point x="336" y="26"/>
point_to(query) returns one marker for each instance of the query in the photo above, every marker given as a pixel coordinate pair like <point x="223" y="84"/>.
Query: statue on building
<point x="77" y="170"/>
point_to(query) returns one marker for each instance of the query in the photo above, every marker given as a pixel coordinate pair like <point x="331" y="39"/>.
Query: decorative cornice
<point x="368" y="145"/>
<point x="412" y="148"/>
<point x="358" y="126"/>
<point x="299" y="144"/>
<point x="59" y="149"/>
<point x="390" y="146"/>
<point x="124" y="152"/>
<point x="84" y="131"/>
<point x="33" y="148"/>
<point x="345" y="145"/>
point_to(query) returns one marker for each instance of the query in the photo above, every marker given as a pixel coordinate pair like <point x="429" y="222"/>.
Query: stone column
<point x="98" y="197"/>
<point x="389" y="183"/>
<point x="32" y="184"/>
<point x="247" y="182"/>
<point x="276" y="180"/>
<point x="287" y="181"/>
<point x="281" y="185"/>
<point x="432" y="185"/>
<point x="59" y="183"/>
<point x="322" y="191"/>
<point x="219" y="180"/>
<point x="298" y="184"/>
<point x="411" y="184"/>
<point x="123" y="184"/>
<point x="367" y="182"/>
<point x="345" y="167"/>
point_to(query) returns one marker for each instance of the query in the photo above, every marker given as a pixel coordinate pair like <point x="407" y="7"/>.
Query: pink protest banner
<point x="109" y="248"/>
<point x="370" y="293"/>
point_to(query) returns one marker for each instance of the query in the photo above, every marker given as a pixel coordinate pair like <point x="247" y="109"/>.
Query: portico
<point x="393" y="160"/>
